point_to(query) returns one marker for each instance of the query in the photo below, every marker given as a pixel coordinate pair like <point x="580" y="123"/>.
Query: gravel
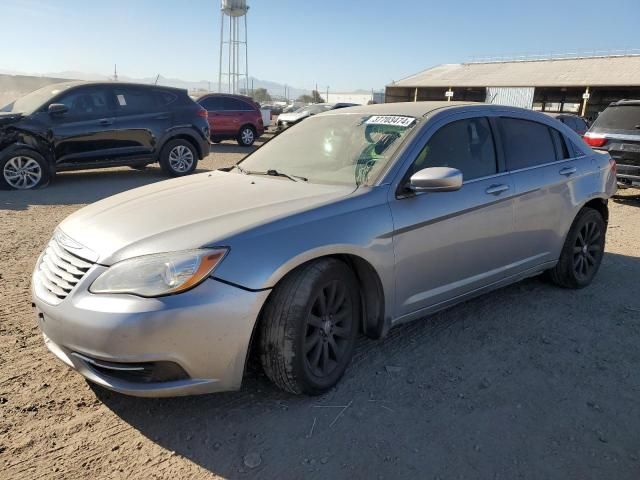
<point x="531" y="381"/>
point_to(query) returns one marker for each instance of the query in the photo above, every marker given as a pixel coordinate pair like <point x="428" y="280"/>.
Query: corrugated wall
<point x="511" y="96"/>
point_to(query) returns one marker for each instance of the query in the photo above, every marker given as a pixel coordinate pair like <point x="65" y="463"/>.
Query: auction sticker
<point x="395" y="120"/>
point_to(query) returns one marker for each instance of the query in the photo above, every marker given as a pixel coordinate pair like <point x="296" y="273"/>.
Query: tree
<point x="313" y="98"/>
<point x="261" y="95"/>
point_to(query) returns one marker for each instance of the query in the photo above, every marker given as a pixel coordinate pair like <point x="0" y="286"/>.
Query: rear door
<point x="544" y="173"/>
<point x="142" y="119"/>
<point x="448" y="244"/>
<point x="86" y="132"/>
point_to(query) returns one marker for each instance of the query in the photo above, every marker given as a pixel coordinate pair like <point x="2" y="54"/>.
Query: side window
<point x="213" y="104"/>
<point x="164" y="97"/>
<point x="86" y="103"/>
<point x="464" y="144"/>
<point x="236" y="105"/>
<point x="135" y="100"/>
<point x="559" y="144"/>
<point x="526" y="143"/>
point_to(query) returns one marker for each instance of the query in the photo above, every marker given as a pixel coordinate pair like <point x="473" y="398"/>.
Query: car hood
<point x="190" y="212"/>
<point x="292" y="117"/>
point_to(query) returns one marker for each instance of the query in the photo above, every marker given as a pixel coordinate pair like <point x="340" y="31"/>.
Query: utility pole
<point x="115" y="72"/>
<point x="327" y="98"/>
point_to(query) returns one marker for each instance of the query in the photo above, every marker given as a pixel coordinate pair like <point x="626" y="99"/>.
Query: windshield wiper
<point x="273" y="173"/>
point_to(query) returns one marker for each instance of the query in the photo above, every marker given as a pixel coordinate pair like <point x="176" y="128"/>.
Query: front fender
<point x="360" y="225"/>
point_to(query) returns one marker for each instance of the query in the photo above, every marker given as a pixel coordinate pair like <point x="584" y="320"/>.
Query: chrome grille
<point x="60" y="270"/>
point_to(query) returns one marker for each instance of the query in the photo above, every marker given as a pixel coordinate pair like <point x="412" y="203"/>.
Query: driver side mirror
<point x="436" y="179"/>
<point x="57" y="109"/>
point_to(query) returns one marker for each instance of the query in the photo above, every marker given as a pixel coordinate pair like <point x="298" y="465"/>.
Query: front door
<point x="86" y="132"/>
<point x="448" y="244"/>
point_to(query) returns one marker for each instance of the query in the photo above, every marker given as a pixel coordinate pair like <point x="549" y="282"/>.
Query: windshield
<point x="346" y="149"/>
<point x="34" y="100"/>
<point x="621" y="117"/>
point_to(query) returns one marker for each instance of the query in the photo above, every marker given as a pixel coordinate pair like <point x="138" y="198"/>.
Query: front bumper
<point x="205" y="331"/>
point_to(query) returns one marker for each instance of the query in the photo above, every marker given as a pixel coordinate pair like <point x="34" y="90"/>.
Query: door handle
<point x="567" y="171"/>
<point x="105" y="121"/>
<point x="497" y="189"/>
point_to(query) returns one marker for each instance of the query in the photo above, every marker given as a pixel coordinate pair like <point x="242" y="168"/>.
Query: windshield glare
<point x="337" y="149"/>
<point x="29" y="103"/>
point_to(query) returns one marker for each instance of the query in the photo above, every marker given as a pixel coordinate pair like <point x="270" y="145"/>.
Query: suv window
<point x="236" y="105"/>
<point x="619" y="117"/>
<point x="464" y="144"/>
<point x="526" y="143"/>
<point x="213" y="104"/>
<point x="131" y="100"/>
<point x="86" y="103"/>
<point x="164" y="97"/>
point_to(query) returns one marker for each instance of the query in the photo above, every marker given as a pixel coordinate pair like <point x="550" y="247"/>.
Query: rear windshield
<point x="619" y="117"/>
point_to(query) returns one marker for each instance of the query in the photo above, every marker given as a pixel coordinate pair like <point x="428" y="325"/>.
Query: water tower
<point x="233" y="70"/>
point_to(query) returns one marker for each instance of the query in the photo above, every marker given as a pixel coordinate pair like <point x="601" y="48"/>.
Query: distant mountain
<point x="274" y="88"/>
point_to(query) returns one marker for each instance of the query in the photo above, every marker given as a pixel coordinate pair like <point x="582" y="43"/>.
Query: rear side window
<point x="213" y="104"/>
<point x="526" y="143"/>
<point x="135" y="100"/>
<point x="237" y="105"/>
<point x="165" y="98"/>
<point x="559" y="144"/>
<point x="464" y="144"/>
<point x="619" y="117"/>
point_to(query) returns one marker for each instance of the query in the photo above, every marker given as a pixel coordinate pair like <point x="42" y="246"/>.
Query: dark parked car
<point x="233" y="117"/>
<point x="84" y="125"/>
<point x="574" y="122"/>
<point x="617" y="131"/>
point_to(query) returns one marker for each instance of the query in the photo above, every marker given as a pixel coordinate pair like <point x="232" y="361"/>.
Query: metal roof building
<point x="555" y="84"/>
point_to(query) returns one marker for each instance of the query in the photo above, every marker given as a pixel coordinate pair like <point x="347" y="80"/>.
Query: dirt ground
<point x="531" y="381"/>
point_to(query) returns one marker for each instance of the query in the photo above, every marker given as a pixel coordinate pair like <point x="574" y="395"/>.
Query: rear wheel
<point x="178" y="158"/>
<point x="23" y="170"/>
<point x="246" y="136"/>
<point x="582" y="251"/>
<point x="309" y="327"/>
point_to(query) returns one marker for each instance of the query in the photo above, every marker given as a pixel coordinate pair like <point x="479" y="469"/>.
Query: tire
<point x="178" y="158"/>
<point x="302" y="350"/>
<point x="582" y="251"/>
<point x="246" y="136"/>
<point x="24" y="169"/>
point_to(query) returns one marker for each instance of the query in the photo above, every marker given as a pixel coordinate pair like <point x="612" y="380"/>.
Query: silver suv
<point x="353" y="221"/>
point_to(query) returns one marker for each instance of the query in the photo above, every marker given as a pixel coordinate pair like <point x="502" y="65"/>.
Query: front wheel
<point x="309" y="327"/>
<point x="246" y="136"/>
<point x="582" y="251"/>
<point x="23" y="170"/>
<point x="178" y="158"/>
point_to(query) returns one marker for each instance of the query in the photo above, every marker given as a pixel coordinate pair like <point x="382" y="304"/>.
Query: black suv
<point x="83" y="125"/>
<point x="617" y="131"/>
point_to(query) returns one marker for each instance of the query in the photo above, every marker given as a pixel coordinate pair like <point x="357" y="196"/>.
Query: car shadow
<point x="628" y="196"/>
<point x="451" y="379"/>
<point x="82" y="187"/>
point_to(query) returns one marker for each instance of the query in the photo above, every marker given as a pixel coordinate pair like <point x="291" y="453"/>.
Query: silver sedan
<point x="356" y="220"/>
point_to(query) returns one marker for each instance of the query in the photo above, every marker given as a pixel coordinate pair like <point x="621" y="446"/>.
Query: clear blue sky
<point x="346" y="44"/>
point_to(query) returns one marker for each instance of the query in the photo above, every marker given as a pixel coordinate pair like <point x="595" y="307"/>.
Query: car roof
<point x="413" y="109"/>
<point x="77" y="83"/>
<point x="625" y="102"/>
<point x="234" y="95"/>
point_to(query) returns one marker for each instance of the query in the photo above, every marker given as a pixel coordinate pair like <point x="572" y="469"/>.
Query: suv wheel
<point x="23" y="170"/>
<point x="309" y="327"/>
<point x="582" y="251"/>
<point x="178" y="158"/>
<point x="247" y="136"/>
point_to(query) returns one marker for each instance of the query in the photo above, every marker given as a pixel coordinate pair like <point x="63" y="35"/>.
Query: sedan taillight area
<point x="594" y="140"/>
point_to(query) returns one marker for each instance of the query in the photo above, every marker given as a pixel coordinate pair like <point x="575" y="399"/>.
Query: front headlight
<point x="159" y="274"/>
